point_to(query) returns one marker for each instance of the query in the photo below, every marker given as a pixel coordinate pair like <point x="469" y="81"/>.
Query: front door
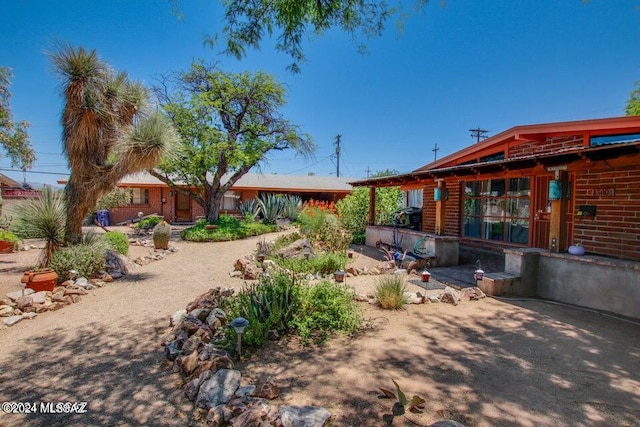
<point x="183" y="208"/>
<point x="541" y="212"/>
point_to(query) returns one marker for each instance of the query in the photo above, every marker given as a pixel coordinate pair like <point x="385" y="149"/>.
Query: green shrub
<point x="229" y="228"/>
<point x="390" y="292"/>
<point x="322" y="228"/>
<point x="87" y="259"/>
<point x="285" y="240"/>
<point x="269" y="305"/>
<point x="9" y="237"/>
<point x="353" y="210"/>
<point x="326" y="308"/>
<point x="324" y="263"/>
<point x="119" y="241"/>
<point x="148" y="223"/>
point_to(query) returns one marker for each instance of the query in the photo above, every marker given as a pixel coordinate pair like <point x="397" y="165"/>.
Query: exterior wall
<point x="549" y="145"/>
<point x="615" y="229"/>
<point x="155" y="206"/>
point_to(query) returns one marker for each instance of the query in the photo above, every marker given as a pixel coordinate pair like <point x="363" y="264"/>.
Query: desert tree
<point x="108" y="130"/>
<point x="228" y="123"/>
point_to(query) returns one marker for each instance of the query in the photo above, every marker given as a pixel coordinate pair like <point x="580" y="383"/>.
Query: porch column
<point x="558" y="227"/>
<point x="372" y="205"/>
<point x="441" y="189"/>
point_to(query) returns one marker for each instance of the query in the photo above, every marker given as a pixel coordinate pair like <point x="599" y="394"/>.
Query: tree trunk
<point x="80" y="199"/>
<point x="212" y="207"/>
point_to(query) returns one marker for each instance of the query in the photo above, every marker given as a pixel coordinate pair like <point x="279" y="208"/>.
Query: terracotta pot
<point x="6" y="247"/>
<point x="210" y="226"/>
<point x="41" y="280"/>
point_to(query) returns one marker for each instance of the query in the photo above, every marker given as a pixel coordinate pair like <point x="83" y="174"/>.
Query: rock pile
<point x="20" y="305"/>
<point x="211" y="381"/>
<point x="446" y="295"/>
<point x="155" y="255"/>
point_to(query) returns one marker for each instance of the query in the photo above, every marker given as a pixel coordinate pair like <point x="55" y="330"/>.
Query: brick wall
<point x="615" y="230"/>
<point x="452" y="215"/>
<point x="549" y="145"/>
<point x="155" y="206"/>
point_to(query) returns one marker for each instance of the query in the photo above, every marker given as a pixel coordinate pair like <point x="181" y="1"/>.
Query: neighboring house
<point x="542" y="186"/>
<point x="149" y="195"/>
<point x="13" y="191"/>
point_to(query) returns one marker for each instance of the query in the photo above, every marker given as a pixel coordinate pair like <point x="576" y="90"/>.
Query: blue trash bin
<point x="103" y="217"/>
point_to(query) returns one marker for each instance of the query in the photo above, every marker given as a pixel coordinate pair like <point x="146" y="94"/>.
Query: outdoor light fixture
<point x="437" y="194"/>
<point x="307" y="253"/>
<point x="23" y="285"/>
<point x="555" y="189"/>
<point x="479" y="273"/>
<point x="238" y="324"/>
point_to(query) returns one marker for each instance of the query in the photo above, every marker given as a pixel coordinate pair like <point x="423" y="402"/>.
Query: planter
<point x="6" y="247"/>
<point x="576" y="250"/>
<point x="42" y="280"/>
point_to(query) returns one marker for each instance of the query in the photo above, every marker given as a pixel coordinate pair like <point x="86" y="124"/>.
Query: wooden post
<point x="440" y="208"/>
<point x="372" y="205"/>
<point x="557" y="225"/>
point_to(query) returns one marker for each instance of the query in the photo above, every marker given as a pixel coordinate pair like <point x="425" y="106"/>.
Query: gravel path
<point x="485" y="363"/>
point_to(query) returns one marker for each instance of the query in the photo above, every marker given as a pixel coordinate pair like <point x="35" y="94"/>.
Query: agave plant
<point x="292" y="207"/>
<point x="44" y="218"/>
<point x="271" y="207"/>
<point x="249" y="209"/>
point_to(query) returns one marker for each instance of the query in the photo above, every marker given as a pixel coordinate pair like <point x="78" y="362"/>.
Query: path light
<point x="479" y="273"/>
<point x="23" y="285"/>
<point x="306" y="253"/>
<point x="339" y="276"/>
<point x="238" y="324"/>
<point x="425" y="276"/>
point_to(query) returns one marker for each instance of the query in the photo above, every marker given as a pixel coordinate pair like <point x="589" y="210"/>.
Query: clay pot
<point x="6" y="247"/>
<point x="41" y="280"/>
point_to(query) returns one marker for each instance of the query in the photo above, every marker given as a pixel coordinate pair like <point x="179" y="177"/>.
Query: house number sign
<point x="601" y="192"/>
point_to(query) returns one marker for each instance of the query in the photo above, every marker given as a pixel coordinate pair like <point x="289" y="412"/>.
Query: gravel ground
<point x="484" y="363"/>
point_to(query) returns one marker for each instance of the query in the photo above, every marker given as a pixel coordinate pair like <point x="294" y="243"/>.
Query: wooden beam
<point x="441" y="208"/>
<point x="372" y="205"/>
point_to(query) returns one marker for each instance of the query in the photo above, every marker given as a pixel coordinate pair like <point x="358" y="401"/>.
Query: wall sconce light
<point x="170" y="193"/>
<point x="555" y="189"/>
<point x="437" y="194"/>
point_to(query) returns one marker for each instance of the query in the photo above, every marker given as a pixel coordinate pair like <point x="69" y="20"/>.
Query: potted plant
<point x="8" y="241"/>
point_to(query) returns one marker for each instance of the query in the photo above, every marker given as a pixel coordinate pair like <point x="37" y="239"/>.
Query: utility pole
<point x="338" y="154"/>
<point x="368" y="171"/>
<point x="435" y="152"/>
<point x="478" y="133"/>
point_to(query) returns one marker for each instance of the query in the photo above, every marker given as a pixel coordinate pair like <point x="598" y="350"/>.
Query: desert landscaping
<point x="486" y="362"/>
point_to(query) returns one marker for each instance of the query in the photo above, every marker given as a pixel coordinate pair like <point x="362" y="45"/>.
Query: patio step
<point x="500" y="283"/>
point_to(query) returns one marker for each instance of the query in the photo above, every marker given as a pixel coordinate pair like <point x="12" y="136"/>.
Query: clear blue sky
<point x="464" y="64"/>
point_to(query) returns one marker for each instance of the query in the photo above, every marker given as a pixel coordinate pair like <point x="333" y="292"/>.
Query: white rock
<point x="13" y="296"/>
<point x="6" y="310"/>
<point x="39" y="297"/>
<point x="12" y="320"/>
<point x="82" y="282"/>
<point x="29" y="315"/>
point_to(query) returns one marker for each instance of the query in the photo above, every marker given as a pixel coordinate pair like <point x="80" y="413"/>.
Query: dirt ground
<point x="485" y="363"/>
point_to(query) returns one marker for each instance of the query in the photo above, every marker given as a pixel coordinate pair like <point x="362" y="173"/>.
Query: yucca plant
<point x="292" y="207"/>
<point x="271" y="207"/>
<point x="43" y="218"/>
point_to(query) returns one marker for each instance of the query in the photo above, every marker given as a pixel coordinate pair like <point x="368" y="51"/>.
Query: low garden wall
<point x="588" y="281"/>
<point x="444" y="248"/>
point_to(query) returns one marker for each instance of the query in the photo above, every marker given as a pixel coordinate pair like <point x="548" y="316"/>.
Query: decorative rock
<point x="433" y="298"/>
<point x="39" y="297"/>
<point x="241" y="264"/>
<point x="215" y="416"/>
<point x="251" y="272"/>
<point x="82" y="282"/>
<point x="208" y="299"/>
<point x="12" y="320"/>
<point x="247" y="390"/>
<point x="56" y="306"/>
<point x="171" y="351"/>
<point x="142" y="261"/>
<point x="57" y="297"/>
<point x="400" y="271"/>
<point x="189" y="363"/>
<point x="23" y="302"/>
<point x="304" y="416"/>
<point x="192" y="387"/>
<point x="177" y="317"/>
<point x="107" y="278"/>
<point x="29" y="315"/>
<point x="6" y="301"/>
<point x="446" y="423"/>
<point x="17" y="294"/>
<point x="65" y="284"/>
<point x="253" y="416"/>
<point x="218" y="389"/>
<point x="217" y="318"/>
<point x="268" y="390"/>
<point x="414" y="298"/>
<point x="235" y="273"/>
<point x="472" y="294"/>
<point x="200" y="313"/>
<point x="450" y="296"/>
<point x="117" y="265"/>
<point x="68" y="300"/>
<point x="6" y="310"/>
<point x="193" y="343"/>
<point x="75" y="298"/>
<point x="40" y="308"/>
<point x="74" y="291"/>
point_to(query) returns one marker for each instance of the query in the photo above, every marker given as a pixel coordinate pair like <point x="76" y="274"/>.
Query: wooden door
<point x="183" y="208"/>
<point x="541" y="215"/>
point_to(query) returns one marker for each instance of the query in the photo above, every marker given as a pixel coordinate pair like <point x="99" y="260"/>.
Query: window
<point x="614" y="139"/>
<point x="138" y="196"/>
<point x="497" y="210"/>
<point x="413" y="198"/>
<point x="230" y="201"/>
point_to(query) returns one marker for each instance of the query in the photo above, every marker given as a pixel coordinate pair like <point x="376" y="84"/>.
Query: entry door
<point x="183" y="208"/>
<point x="541" y="218"/>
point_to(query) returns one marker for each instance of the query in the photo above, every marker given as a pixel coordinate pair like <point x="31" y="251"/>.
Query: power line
<point x="36" y="172"/>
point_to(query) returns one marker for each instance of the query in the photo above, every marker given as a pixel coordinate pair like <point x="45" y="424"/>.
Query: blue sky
<point x="463" y="64"/>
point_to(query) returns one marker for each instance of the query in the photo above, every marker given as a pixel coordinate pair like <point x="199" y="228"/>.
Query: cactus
<point x="161" y="235"/>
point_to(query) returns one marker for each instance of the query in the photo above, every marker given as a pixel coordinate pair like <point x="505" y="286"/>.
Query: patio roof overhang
<point x="560" y="157"/>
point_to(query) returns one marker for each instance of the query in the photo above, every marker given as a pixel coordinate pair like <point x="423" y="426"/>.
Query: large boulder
<point x="219" y="389"/>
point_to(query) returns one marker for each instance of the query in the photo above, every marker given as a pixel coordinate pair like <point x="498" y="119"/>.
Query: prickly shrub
<point x="161" y="235"/>
<point x="87" y="259"/>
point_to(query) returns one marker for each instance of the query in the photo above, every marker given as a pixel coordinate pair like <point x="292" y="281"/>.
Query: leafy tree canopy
<point x="228" y="123"/>
<point x="13" y="136"/>
<point x="633" y="103"/>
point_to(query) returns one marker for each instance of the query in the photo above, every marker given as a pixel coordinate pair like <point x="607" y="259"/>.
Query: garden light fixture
<point x="239" y="324"/>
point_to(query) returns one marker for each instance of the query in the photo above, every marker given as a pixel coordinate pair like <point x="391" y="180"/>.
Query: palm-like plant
<point x="42" y="217"/>
<point x="107" y="130"/>
<point x="271" y="206"/>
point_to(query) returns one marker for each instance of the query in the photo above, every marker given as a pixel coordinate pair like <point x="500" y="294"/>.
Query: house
<point x="533" y="191"/>
<point x="12" y="191"/>
<point x="149" y="195"/>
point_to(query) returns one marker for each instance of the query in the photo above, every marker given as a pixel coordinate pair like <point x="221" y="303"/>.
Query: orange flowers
<point x="321" y="205"/>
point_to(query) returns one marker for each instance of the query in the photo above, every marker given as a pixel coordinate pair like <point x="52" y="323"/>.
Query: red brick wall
<point x="549" y="145"/>
<point x="615" y="230"/>
<point x="155" y="206"/>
